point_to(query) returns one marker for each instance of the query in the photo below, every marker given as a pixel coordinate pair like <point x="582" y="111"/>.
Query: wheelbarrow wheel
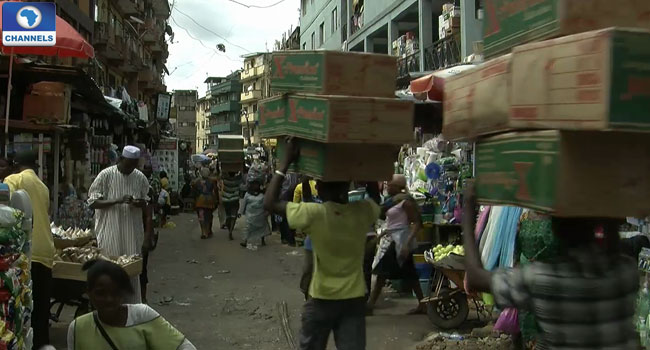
<point x="449" y="311"/>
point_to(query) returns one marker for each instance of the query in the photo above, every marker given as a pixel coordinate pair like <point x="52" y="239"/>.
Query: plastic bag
<point x="508" y="321"/>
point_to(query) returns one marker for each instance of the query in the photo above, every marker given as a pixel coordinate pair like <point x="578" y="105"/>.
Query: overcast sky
<point x="253" y="29"/>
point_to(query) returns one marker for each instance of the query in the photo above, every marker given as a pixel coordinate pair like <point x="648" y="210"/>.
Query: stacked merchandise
<point x="580" y="97"/>
<point x="342" y="107"/>
<point x="438" y="169"/>
<point x="405" y="45"/>
<point x="643" y="302"/>
<point x="449" y="21"/>
<point x="15" y="280"/>
<point x="165" y="158"/>
<point x="231" y="152"/>
<point x="47" y="102"/>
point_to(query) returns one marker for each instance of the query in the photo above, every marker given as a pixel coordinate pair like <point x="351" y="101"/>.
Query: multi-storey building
<point x="184" y="102"/>
<point x="373" y="25"/>
<point x="224" y="113"/>
<point x="131" y="47"/>
<point x="256" y="86"/>
<point x="203" y="122"/>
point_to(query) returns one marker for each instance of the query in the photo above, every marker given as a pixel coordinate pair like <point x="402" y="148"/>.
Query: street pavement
<point x="222" y="296"/>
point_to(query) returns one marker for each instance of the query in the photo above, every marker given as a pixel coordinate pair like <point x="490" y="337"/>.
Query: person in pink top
<point x="394" y="258"/>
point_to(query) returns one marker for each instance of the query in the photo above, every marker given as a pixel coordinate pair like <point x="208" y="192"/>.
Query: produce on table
<point x="440" y="252"/>
<point x="82" y="255"/>
<point x="70" y="233"/>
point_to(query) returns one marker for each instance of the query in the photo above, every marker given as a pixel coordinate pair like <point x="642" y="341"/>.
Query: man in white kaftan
<point x="119" y="194"/>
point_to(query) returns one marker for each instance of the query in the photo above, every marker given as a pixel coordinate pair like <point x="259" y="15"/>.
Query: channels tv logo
<point x="28" y="24"/>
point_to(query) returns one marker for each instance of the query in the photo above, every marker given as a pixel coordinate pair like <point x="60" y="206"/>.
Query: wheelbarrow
<point x="447" y="303"/>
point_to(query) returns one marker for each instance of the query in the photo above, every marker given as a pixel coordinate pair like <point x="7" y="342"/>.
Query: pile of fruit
<point x="440" y="252"/>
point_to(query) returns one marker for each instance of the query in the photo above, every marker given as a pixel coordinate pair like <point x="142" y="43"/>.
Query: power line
<point x="210" y="30"/>
<point x="257" y="6"/>
<point x="201" y="42"/>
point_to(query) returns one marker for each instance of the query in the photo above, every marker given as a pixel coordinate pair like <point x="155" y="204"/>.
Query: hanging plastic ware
<point x="432" y="171"/>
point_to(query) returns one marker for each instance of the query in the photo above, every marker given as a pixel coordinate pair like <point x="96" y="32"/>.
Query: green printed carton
<point x="334" y="73"/>
<point x="566" y="173"/>
<point x="508" y="23"/>
<point x="337" y="119"/>
<point x="340" y="162"/>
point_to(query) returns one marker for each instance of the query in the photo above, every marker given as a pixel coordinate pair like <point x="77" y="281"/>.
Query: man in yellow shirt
<point x="298" y="192"/>
<point x="338" y="234"/>
<point x="24" y="178"/>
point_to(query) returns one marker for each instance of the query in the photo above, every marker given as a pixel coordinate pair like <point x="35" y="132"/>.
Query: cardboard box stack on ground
<point x="508" y="23"/>
<point x="341" y="137"/>
<point x="231" y="152"/>
<point x="579" y="106"/>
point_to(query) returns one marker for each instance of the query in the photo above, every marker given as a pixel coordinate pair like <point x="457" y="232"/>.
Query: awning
<point x="431" y="87"/>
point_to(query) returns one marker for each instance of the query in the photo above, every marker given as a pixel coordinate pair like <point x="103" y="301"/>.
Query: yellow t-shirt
<point x="338" y="236"/>
<point x="42" y="241"/>
<point x="297" y="193"/>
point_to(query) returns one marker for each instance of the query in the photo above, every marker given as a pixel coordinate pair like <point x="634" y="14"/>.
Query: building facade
<point x="203" y="123"/>
<point x="256" y="85"/>
<point x="373" y="26"/>
<point x="225" y="108"/>
<point x="130" y="41"/>
<point x="184" y="102"/>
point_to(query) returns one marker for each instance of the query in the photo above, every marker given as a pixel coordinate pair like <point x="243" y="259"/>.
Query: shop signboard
<point x="334" y="73"/>
<point x="163" y="106"/>
<point x="338" y="119"/>
<point x="566" y="173"/>
<point x="508" y="23"/>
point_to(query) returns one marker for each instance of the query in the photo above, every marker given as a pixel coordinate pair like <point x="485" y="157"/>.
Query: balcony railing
<point x="408" y="64"/>
<point x="251" y="95"/>
<point x="442" y="54"/>
<point x="103" y="34"/>
<point x="228" y="106"/>
<point x="252" y="72"/>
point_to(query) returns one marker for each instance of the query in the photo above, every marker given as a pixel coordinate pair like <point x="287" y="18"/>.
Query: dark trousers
<point x="286" y="234"/>
<point x="42" y="286"/>
<point x="346" y="318"/>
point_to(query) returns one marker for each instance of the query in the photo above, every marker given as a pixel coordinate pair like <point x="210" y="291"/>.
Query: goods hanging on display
<point x="334" y="73"/>
<point x="510" y="23"/>
<point x="165" y="158"/>
<point x="338" y="119"/>
<point x="562" y="172"/>
<point x="15" y="290"/>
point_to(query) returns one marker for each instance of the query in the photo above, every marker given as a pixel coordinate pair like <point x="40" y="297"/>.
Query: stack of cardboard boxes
<point x="341" y="107"/>
<point x="449" y="21"/>
<point x="569" y="112"/>
<point x="405" y="45"/>
<point x="231" y="152"/>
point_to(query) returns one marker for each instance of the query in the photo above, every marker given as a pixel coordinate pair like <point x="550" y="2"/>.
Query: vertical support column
<point x="393" y="33"/>
<point x="471" y="28"/>
<point x="425" y="24"/>
<point x="368" y="44"/>
<point x="57" y="159"/>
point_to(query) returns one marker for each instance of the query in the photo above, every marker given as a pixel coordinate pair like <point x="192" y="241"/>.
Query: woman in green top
<point x="116" y="325"/>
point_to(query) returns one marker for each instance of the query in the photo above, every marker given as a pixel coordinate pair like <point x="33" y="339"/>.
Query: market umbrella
<point x="69" y="43"/>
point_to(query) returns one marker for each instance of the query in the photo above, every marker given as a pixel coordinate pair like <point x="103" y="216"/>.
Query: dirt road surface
<point x="222" y="296"/>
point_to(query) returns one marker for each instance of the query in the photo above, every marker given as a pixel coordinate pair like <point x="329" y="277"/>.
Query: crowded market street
<point x="239" y="309"/>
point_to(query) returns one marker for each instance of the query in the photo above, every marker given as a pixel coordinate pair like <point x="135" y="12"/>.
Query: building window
<point x="313" y="40"/>
<point x="335" y="20"/>
<point x="304" y="46"/>
<point x="303" y="5"/>
<point x="321" y="34"/>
